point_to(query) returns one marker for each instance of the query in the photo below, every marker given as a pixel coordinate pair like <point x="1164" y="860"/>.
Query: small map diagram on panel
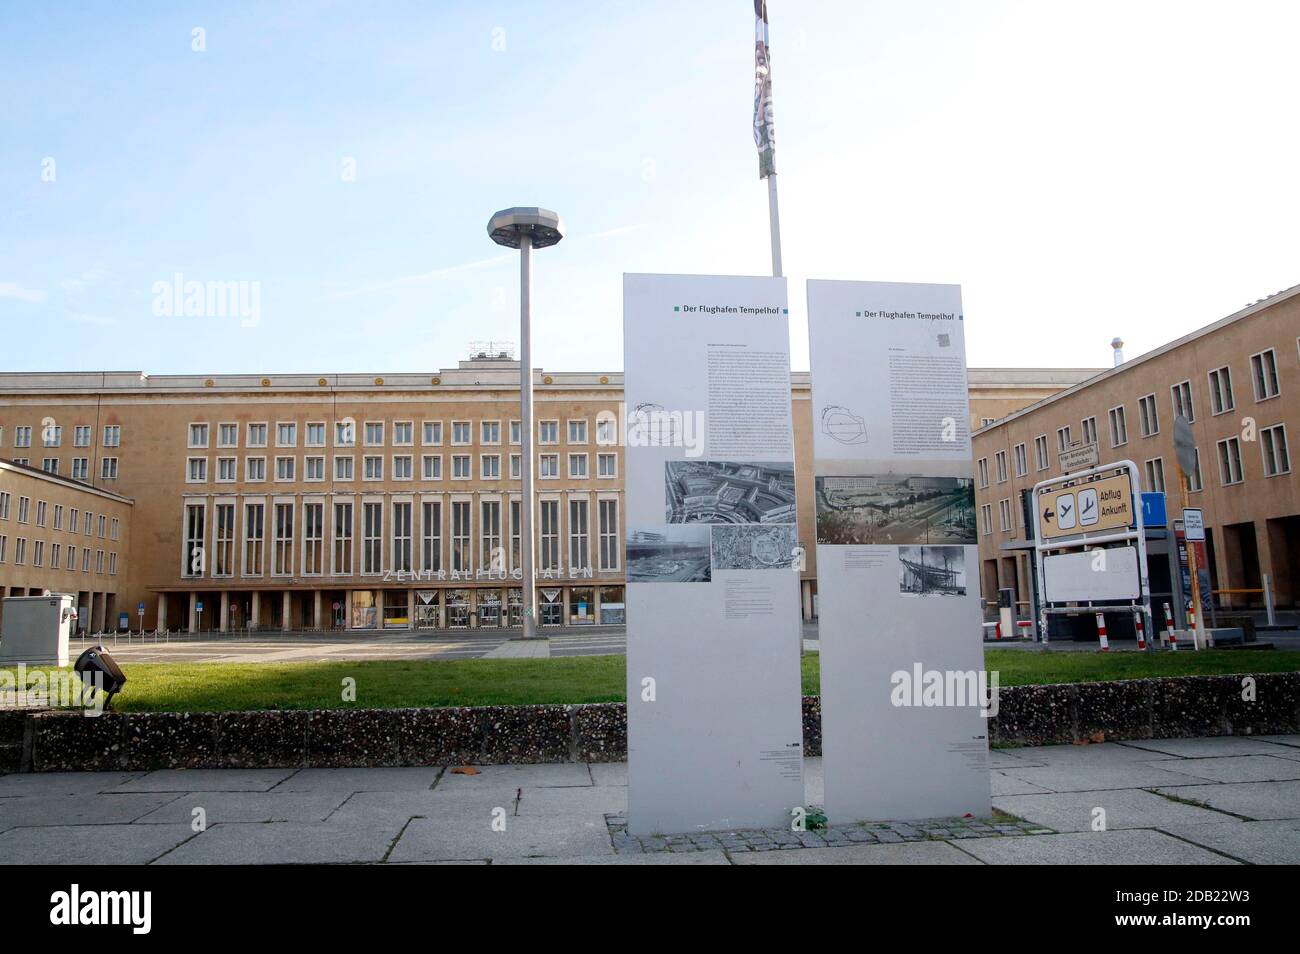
<point x="842" y="425"/>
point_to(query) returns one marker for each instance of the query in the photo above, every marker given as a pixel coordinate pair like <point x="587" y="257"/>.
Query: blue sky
<point x="1082" y="170"/>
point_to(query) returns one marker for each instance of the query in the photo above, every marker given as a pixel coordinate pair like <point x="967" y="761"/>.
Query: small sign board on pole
<point x="1194" y="523"/>
<point x="1105" y="504"/>
<point x="1078" y="458"/>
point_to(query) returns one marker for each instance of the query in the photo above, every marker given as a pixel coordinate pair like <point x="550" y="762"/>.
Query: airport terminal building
<point x="354" y="501"/>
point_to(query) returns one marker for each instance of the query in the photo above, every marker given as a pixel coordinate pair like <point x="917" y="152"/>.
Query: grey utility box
<point x="36" y="629"/>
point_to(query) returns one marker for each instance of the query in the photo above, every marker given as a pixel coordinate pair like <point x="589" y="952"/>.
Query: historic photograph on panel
<point x="754" y="548"/>
<point x="895" y="509"/>
<point x="718" y="491"/>
<point x="668" y="554"/>
<point x="932" y="571"/>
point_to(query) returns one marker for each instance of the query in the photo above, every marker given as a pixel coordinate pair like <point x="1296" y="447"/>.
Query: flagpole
<point x="774" y="218"/>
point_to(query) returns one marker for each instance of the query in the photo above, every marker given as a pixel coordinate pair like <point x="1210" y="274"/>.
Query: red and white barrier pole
<point x="1171" y="634"/>
<point x="997" y="631"/>
<point x="1141" y="630"/>
<point x="1191" y="625"/>
<point x="1101" y="632"/>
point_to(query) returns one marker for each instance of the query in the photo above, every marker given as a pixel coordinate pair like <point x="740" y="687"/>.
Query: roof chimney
<point x="1118" y="345"/>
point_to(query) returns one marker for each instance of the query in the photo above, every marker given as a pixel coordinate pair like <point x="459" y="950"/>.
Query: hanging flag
<point x="763" y="133"/>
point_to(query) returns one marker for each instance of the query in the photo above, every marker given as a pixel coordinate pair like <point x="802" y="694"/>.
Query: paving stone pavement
<point x="1181" y="801"/>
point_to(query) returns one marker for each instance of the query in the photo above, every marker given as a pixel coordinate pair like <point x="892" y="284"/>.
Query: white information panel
<point x="897" y="564"/>
<point x="1089" y="576"/>
<point x="713" y="687"/>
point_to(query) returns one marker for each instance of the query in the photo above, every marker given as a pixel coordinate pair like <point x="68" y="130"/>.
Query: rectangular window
<point x="984" y="472"/>
<point x="5" y="498"/>
<point x="81" y="435"/>
<point x="431" y="535"/>
<point x="286" y="434"/>
<point x="548" y="432"/>
<point x="1118" y="426"/>
<point x="20" y="551"/>
<point x="516" y="465"/>
<point x="460" y="467"/>
<point x="255" y="469"/>
<point x="1180" y="396"/>
<point x="85" y="560"/>
<point x="313" y="538"/>
<point x="1148" y="416"/>
<point x="85" y="522"/>
<point x="343" y="539"/>
<point x="578" y="432"/>
<point x="345" y="433"/>
<point x="198" y="435"/>
<point x="71" y="563"/>
<point x="116" y="534"/>
<point x="515" y="533"/>
<point x="226" y="469"/>
<point x="197" y="470"/>
<point x="223" y="543"/>
<point x="1155" y="468"/>
<point x="578" y="466"/>
<point x="605" y="435"/>
<point x="108" y="468"/>
<point x="81" y="468"/>
<point x="374" y="433"/>
<point x="1089" y="430"/>
<point x="550" y="466"/>
<point x="431" y="467"/>
<point x="515" y="431"/>
<point x="1272" y="443"/>
<point x="1063" y="438"/>
<point x="112" y="435"/>
<point x="194" y="558"/>
<point x="284" y="468"/>
<point x="112" y="564"/>
<point x="1230" y="461"/>
<point x="227" y="435"/>
<point x="1263" y="372"/>
<point x="4" y="545"/>
<point x="256" y="435"/>
<point x="372" y="537"/>
<point x="374" y="465"/>
<point x="50" y="465"/>
<point x="52" y="435"/>
<point x="492" y="558"/>
<point x="401" y="467"/>
<point x="401" y="535"/>
<point x="460" y="546"/>
<point x="22" y="437"/>
<point x="1022" y="460"/>
<point x="56" y="555"/>
<point x="283" y="553"/>
<point x="254" y="537"/>
<point x="99" y="561"/>
<point x="432" y="433"/>
<point x="42" y="512"/>
<point x="1221" y="399"/>
<point x="490" y="466"/>
<point x="403" y="433"/>
<point x="73" y="515"/>
<point x="58" y="518"/>
<point x="315" y="434"/>
<point x="460" y="432"/>
<point x="606" y="465"/>
<point x="1000" y="459"/>
<point x="24" y="511"/>
<point x="38" y="553"/>
<point x="314" y="468"/>
<point x="579" y="535"/>
<point x="1004" y="514"/>
<point x="489" y="432"/>
<point x="550" y="551"/>
<point x="343" y="469"/>
<point x="609" y="536"/>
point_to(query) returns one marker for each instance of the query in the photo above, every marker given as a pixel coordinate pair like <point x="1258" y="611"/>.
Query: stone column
<point x="161" y="622"/>
<point x="224" y="612"/>
<point x="805" y="593"/>
<point x="255" y="613"/>
<point x="286" y="611"/>
<point x="193" y="626"/>
<point x="315" y="609"/>
<point x="347" y="610"/>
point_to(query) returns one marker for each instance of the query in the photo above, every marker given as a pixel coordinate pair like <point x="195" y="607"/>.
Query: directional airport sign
<point x="1105" y="504"/>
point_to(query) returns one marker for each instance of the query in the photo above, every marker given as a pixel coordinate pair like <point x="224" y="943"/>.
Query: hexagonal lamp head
<point x="508" y="226"/>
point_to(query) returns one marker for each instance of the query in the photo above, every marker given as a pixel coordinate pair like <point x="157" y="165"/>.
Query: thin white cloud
<point x="620" y="230"/>
<point x="14" y="290"/>
<point x="422" y="278"/>
<point x="93" y="319"/>
<point x="88" y="277"/>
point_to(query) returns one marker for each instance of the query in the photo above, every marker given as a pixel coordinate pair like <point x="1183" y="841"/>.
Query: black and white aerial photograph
<point x="767" y="547"/>
<point x="895" y="509"/>
<point x="719" y="491"/>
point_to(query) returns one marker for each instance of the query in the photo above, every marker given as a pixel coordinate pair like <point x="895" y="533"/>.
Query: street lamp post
<point x="526" y="228"/>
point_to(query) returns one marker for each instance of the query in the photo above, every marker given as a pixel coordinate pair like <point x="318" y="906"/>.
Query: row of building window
<point x="403" y="433"/>
<point x="58" y="560"/>
<point x="403" y="467"/>
<point x="300" y="542"/>
<point x="80" y="467"/>
<point x="51" y="435"/>
<point x="89" y="523"/>
<point x="1273" y="448"/>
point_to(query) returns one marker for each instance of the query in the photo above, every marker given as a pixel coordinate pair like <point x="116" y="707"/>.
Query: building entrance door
<point x="458" y="609"/>
<point x="426" y="609"/>
<point x="551" y="610"/>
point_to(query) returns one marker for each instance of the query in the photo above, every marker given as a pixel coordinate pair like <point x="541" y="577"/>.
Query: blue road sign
<point x="1153" y="509"/>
